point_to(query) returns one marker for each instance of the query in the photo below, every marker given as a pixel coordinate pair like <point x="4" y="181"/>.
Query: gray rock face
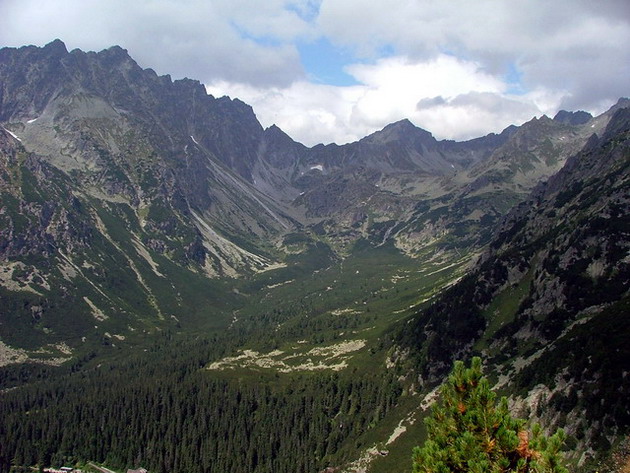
<point x="547" y="303"/>
<point x="572" y="118"/>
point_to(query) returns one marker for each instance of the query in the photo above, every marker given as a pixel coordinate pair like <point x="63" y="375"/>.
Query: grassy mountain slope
<point x="547" y="304"/>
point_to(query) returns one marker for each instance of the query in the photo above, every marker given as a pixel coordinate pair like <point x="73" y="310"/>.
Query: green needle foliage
<point x="469" y="432"/>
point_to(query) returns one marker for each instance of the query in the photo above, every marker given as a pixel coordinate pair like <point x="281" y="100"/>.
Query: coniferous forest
<point x="164" y="411"/>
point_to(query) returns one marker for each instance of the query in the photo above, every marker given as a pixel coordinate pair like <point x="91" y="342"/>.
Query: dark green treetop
<point x="469" y="432"/>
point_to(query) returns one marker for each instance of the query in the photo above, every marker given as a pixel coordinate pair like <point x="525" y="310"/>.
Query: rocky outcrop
<point x="548" y="301"/>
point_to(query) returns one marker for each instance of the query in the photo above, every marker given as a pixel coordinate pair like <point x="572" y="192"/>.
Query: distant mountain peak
<point x="405" y="126"/>
<point x="114" y="51"/>
<point x="274" y="128"/>
<point x="275" y="132"/>
<point x="404" y="123"/>
<point x="56" y="48"/>
<point x="623" y="102"/>
<point x="402" y="130"/>
<point x="579" y="117"/>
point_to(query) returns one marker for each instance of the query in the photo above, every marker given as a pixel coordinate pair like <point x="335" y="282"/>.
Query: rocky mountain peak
<point x="572" y="118"/>
<point x="275" y="134"/>
<point x="274" y="130"/>
<point x="402" y="130"/>
<point x="537" y="126"/>
<point x="401" y="125"/>
<point x="56" y="48"/>
<point x="114" y="55"/>
<point x="623" y="102"/>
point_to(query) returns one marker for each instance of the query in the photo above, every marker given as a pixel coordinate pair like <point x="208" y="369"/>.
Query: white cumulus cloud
<point x="576" y="47"/>
<point x="452" y="98"/>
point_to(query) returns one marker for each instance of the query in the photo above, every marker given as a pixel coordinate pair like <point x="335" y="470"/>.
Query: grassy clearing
<point x="287" y="316"/>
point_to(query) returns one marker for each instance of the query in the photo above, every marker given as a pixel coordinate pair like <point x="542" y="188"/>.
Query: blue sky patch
<point x="324" y="62"/>
<point x="514" y="80"/>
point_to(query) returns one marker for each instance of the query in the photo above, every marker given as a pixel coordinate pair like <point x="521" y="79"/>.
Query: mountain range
<point x="134" y="206"/>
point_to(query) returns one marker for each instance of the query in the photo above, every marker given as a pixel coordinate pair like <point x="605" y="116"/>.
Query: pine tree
<point x="469" y="432"/>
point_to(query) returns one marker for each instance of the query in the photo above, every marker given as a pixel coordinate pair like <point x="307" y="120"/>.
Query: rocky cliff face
<point x="548" y="301"/>
<point x="124" y="133"/>
<point x="571" y="243"/>
<point x="120" y="197"/>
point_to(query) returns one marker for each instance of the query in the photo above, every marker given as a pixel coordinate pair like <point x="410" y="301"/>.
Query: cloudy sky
<point x="336" y="70"/>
